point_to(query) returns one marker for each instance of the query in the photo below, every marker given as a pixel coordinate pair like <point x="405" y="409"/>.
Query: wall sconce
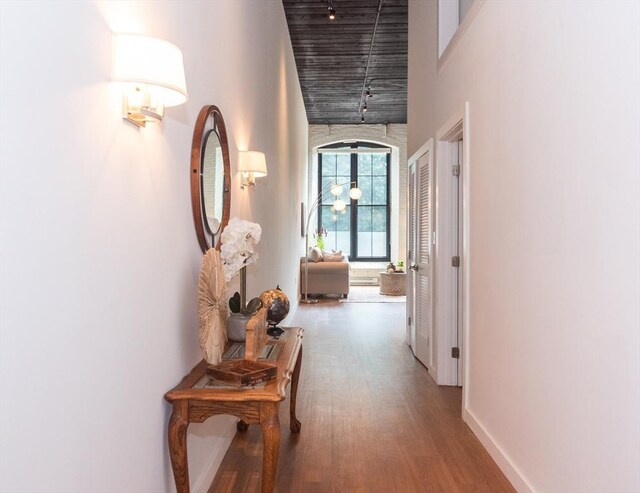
<point x="153" y="75"/>
<point x="252" y="165"/>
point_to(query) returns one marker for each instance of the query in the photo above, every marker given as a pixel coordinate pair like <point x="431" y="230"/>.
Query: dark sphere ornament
<point x="277" y="305"/>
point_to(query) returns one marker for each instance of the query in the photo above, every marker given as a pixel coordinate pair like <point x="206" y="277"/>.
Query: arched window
<point x="362" y="230"/>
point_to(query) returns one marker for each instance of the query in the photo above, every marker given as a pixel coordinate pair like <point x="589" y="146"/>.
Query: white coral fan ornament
<point x="239" y="239"/>
<point x="212" y="310"/>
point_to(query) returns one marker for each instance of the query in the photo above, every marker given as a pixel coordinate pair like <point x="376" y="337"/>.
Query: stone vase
<point x="237" y="327"/>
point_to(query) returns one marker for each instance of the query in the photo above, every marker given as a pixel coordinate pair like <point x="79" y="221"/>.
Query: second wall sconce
<point x="152" y="71"/>
<point x="252" y="165"/>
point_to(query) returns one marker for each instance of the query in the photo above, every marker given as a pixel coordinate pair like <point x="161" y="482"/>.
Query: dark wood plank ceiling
<point x="331" y="56"/>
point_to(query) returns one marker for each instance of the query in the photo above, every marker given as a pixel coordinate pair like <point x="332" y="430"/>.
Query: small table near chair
<point x="393" y="283"/>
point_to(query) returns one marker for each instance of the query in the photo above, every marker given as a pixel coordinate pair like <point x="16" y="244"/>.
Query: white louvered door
<point x="421" y="266"/>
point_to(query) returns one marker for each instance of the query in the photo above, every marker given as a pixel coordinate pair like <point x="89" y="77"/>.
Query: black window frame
<point x="353" y="257"/>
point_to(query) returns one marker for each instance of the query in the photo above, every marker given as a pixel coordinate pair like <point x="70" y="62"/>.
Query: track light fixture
<point x="364" y="108"/>
<point x="362" y="119"/>
<point x="332" y="11"/>
<point x="368" y="93"/>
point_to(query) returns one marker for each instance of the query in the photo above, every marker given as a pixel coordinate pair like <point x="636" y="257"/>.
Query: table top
<point x="197" y="385"/>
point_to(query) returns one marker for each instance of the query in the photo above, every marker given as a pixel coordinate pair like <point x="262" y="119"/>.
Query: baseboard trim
<point x="203" y="483"/>
<point x="504" y="462"/>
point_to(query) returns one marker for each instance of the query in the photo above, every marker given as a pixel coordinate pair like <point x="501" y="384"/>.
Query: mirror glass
<point x="212" y="182"/>
<point x="210" y="177"/>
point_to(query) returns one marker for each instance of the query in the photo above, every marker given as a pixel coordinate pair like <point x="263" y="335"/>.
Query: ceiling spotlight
<point x="332" y="11"/>
<point x="362" y="119"/>
<point x="368" y="93"/>
<point x="364" y="108"/>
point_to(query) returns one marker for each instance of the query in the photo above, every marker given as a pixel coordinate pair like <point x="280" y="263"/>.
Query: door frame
<point x="455" y="128"/>
<point x="426" y="148"/>
<point x="410" y="307"/>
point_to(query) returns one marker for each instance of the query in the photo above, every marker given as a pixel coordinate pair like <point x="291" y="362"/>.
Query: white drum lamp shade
<point x="252" y="162"/>
<point x="155" y="63"/>
<point x="252" y="165"/>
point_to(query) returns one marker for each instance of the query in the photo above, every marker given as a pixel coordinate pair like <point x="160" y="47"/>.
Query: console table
<point x="198" y="397"/>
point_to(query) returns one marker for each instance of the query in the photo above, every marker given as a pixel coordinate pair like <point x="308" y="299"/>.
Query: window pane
<point x="330" y="225"/>
<point x="364" y="164"/>
<point x="344" y="164"/>
<point x="364" y="183"/>
<point x="364" y="219"/>
<point x="338" y="226"/>
<point x="379" y="244"/>
<point x="379" y="190"/>
<point x="379" y="219"/>
<point x="344" y="219"/>
<point x="379" y="164"/>
<point x="328" y="164"/>
<point x="344" y="180"/>
<point x="364" y="244"/>
<point x="343" y="242"/>
<point x="327" y="180"/>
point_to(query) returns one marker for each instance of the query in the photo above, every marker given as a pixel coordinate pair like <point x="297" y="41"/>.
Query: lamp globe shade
<point x="355" y="193"/>
<point x="336" y="190"/>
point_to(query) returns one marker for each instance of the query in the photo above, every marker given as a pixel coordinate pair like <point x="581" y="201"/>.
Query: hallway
<point x="372" y="419"/>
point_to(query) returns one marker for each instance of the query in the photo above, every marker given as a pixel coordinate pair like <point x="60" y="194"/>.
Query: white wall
<point x="554" y="390"/>
<point x="99" y="257"/>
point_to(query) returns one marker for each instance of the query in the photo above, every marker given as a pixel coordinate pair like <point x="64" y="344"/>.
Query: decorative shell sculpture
<point x="212" y="307"/>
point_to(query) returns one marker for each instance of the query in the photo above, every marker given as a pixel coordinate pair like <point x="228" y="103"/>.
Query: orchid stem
<point x="243" y="289"/>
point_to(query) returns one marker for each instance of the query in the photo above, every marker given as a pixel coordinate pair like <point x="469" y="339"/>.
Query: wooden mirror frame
<point x="209" y="118"/>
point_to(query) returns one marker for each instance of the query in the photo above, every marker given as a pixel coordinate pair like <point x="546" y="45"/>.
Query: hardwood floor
<point x="372" y="418"/>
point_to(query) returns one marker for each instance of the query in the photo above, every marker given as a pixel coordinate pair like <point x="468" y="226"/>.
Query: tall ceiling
<point x="331" y="56"/>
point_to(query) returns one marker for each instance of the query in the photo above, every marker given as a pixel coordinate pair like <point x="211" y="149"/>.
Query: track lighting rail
<point x="366" y="70"/>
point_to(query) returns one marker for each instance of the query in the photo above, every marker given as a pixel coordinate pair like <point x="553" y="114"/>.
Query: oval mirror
<point x="210" y="177"/>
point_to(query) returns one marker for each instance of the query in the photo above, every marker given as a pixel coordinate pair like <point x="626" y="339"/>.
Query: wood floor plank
<point x="373" y="420"/>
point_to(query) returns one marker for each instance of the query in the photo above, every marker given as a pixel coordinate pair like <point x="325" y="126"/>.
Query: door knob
<point x="414" y="268"/>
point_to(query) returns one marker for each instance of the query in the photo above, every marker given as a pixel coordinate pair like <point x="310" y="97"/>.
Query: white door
<point x="420" y="262"/>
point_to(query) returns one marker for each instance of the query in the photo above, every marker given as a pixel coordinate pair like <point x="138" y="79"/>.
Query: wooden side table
<point x="198" y="397"/>
<point x="393" y="284"/>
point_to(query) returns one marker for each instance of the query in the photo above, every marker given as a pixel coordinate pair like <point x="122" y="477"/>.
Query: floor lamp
<point x="335" y="189"/>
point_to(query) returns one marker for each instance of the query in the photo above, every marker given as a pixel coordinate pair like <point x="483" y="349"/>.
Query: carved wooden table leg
<point x="270" y="424"/>
<point x="178" y="425"/>
<point x="294" y="424"/>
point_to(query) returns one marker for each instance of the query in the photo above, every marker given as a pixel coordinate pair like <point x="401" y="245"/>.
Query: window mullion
<point x="354" y="206"/>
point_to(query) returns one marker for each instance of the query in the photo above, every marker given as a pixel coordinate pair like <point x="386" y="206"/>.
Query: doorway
<point x="451" y="259"/>
<point x="438" y="253"/>
<point x="419" y="256"/>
